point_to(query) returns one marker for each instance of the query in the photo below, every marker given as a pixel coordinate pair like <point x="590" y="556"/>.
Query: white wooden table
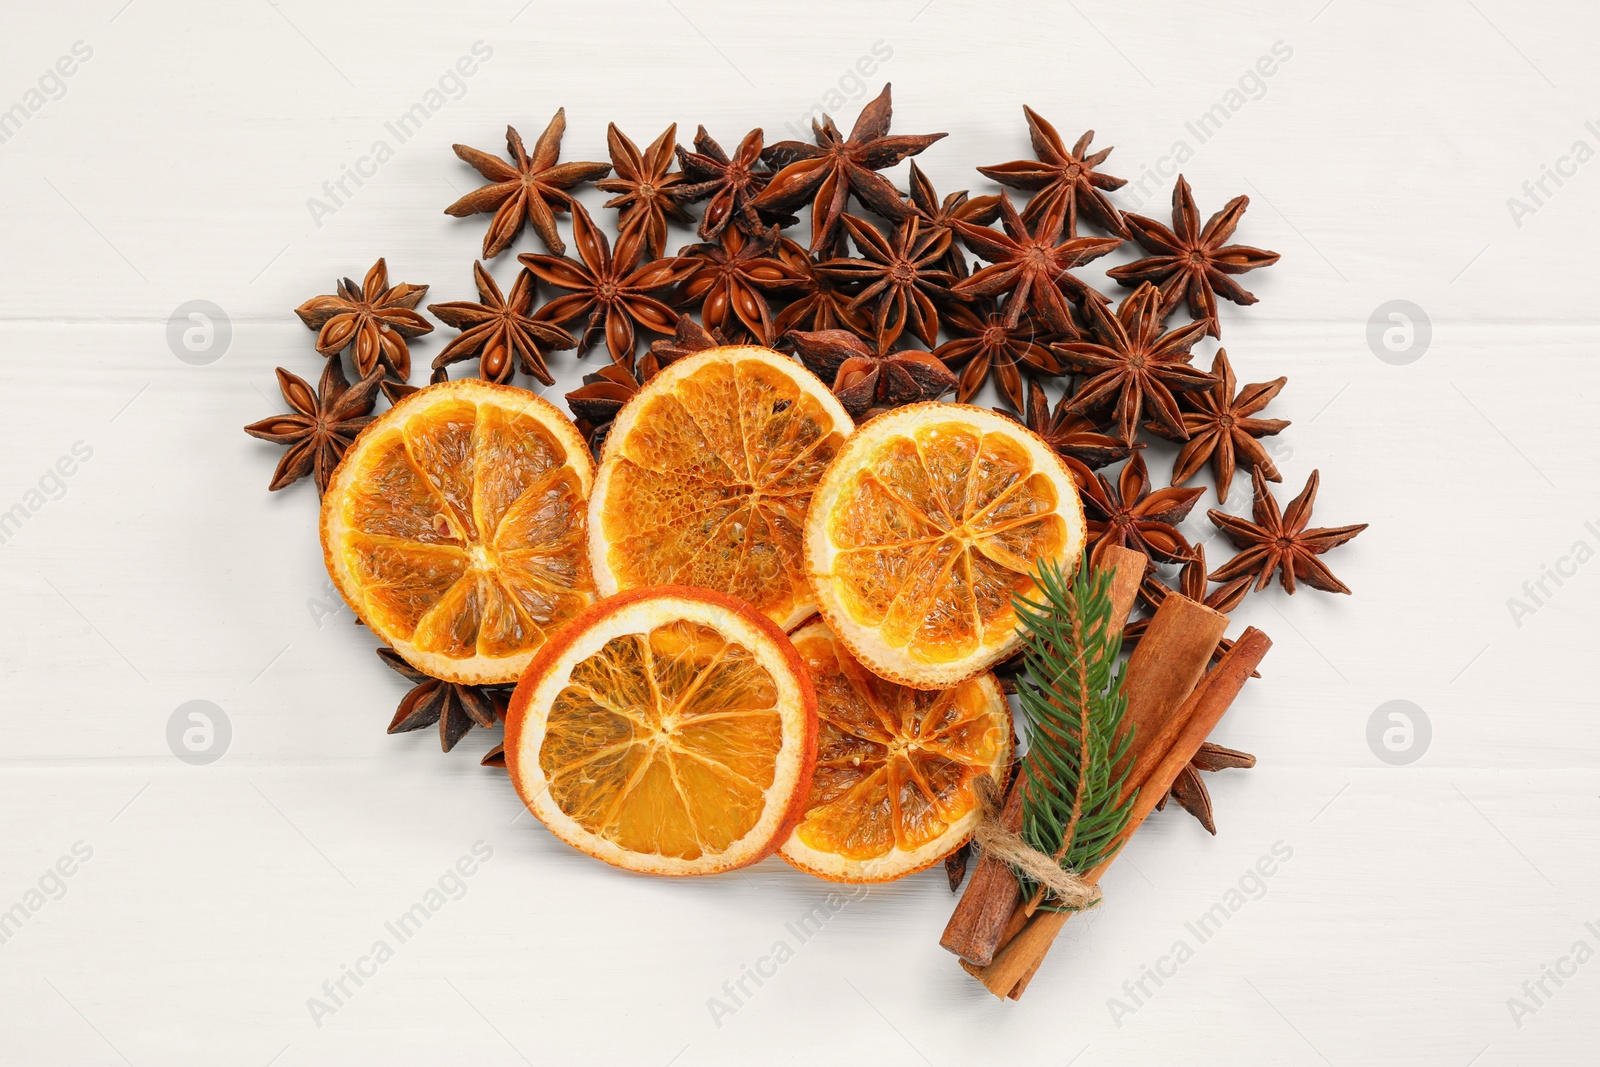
<point x="1386" y="157"/>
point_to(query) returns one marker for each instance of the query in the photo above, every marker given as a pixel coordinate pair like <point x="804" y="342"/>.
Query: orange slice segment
<point x="455" y="528"/>
<point x="895" y="789"/>
<point x="924" y="527"/>
<point x="706" y="476"/>
<point x="665" y="730"/>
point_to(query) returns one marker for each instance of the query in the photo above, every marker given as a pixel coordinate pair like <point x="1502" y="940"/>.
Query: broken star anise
<point x="827" y="172"/>
<point x="1060" y="176"/>
<point x="616" y="290"/>
<point x="1034" y="266"/>
<point x="398" y="391"/>
<point x="647" y="195"/>
<point x="322" y="425"/>
<point x="731" y="183"/>
<point x="865" y="379"/>
<point x="1191" y="263"/>
<point x="374" y="316"/>
<point x="899" y="276"/>
<point x="456" y="708"/>
<point x="529" y="190"/>
<point x="984" y="345"/>
<point x="500" y="330"/>
<point x="595" y="403"/>
<point x="688" y="337"/>
<point x="1189" y="789"/>
<point x="1281" y="542"/>
<point x="1129" y="514"/>
<point x="1222" y="428"/>
<point x="730" y="280"/>
<point x="1132" y="364"/>
<point x="1069" y="433"/>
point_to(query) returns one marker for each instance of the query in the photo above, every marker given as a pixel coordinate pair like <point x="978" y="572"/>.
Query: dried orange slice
<point x="927" y="523"/>
<point x="665" y="730"/>
<point x="895" y="789"/>
<point x="705" y="478"/>
<point x="454" y="528"/>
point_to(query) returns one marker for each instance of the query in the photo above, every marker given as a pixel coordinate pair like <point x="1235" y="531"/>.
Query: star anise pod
<point x="647" y="194"/>
<point x="936" y="214"/>
<point x="528" y="190"/>
<point x="324" y="422"/>
<point x="1192" y="583"/>
<point x="731" y="277"/>
<point x="1221" y="428"/>
<point x="688" y="337"/>
<point x="595" y="403"/>
<point x="1133" y="364"/>
<point x="1190" y="262"/>
<point x="1281" y="542"/>
<point x="1034" y="266"/>
<point x="731" y="183"/>
<point x="499" y="327"/>
<point x="1189" y="789"/>
<point x="898" y="275"/>
<point x="398" y="391"/>
<point x="1129" y="514"/>
<point x="817" y="301"/>
<point x="616" y="290"/>
<point x="836" y="166"/>
<point x="374" y="316"/>
<point x="1069" y="433"/>
<point x="1062" y="176"/>
<point x="495" y="757"/>
<point x="984" y="344"/>
<point x="456" y="708"/>
<point x="865" y="379"/>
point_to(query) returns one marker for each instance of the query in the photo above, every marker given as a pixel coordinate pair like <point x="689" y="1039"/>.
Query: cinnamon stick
<point x="1169" y="750"/>
<point x="980" y="919"/>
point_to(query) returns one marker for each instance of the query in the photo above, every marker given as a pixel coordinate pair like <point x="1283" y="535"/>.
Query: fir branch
<point x="1071" y="689"/>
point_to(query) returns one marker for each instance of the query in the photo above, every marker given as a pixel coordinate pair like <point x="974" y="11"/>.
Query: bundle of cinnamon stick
<point x="1174" y="702"/>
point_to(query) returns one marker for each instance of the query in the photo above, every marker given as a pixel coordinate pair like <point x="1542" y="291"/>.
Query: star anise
<point x="595" y="403"/>
<point x="818" y="301"/>
<point x="1069" y="433"/>
<point x="456" y="708"/>
<point x="529" y="190"/>
<point x="731" y="277"/>
<point x="731" y="183"/>
<point x="616" y="290"/>
<point x="1192" y="583"/>
<point x="1061" y="176"/>
<point x="899" y="276"/>
<point x="1129" y="514"/>
<point x="398" y="391"/>
<point x="1192" y="263"/>
<point x="984" y="345"/>
<point x="322" y="425"/>
<point x="647" y="194"/>
<point x="865" y="379"/>
<point x="1032" y="265"/>
<point x="688" y="337"/>
<point x="495" y="757"/>
<point x="936" y="214"/>
<point x="375" y="317"/>
<point x="836" y="166"/>
<point x="1133" y="364"/>
<point x="1189" y="789"/>
<point x="1281" y="542"/>
<point x="1221" y="428"/>
<point x="499" y="327"/>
